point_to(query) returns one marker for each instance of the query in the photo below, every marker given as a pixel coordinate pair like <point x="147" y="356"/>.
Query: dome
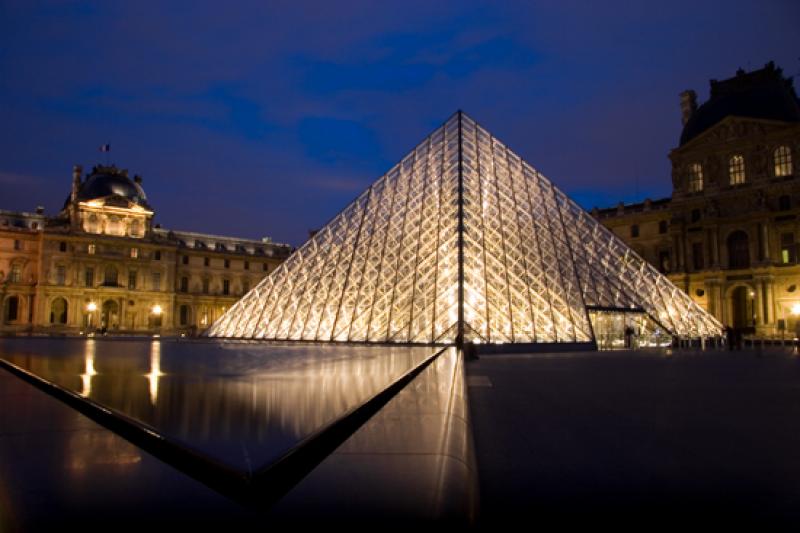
<point x="762" y="94"/>
<point x="109" y="182"/>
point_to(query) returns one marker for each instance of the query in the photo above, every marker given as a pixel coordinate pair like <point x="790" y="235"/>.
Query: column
<point x="758" y="306"/>
<point x="715" y="246"/>
<point x="765" y="240"/>
<point x="769" y="291"/>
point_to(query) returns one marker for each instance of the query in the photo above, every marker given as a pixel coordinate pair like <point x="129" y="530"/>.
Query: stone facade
<point x="101" y="265"/>
<point x="728" y="235"/>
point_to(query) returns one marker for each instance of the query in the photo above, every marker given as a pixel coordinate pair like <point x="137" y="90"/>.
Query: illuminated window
<point x="91" y="249"/>
<point x="788" y="249"/>
<point x="134" y="253"/>
<point x="695" y="177"/>
<point x="783" y="161"/>
<point x="736" y="170"/>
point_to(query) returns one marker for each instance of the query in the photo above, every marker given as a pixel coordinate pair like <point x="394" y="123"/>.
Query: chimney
<point x="76" y="181"/>
<point x="137" y="178"/>
<point x="688" y="105"/>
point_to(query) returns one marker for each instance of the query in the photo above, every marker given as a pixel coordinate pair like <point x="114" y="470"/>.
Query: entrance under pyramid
<point x="464" y="242"/>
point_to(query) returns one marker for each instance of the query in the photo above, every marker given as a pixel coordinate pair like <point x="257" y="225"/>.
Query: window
<point x="663" y="261"/>
<point x="17" y="244"/>
<point x="156" y="281"/>
<point x="134" y="253"/>
<point x="91" y="249"/>
<point x="132" y="279"/>
<point x="61" y="275"/>
<point x="62" y="246"/>
<point x="226" y="287"/>
<point x="110" y="278"/>
<point x="783" y="161"/>
<point x="697" y="255"/>
<point x="635" y="230"/>
<point x="785" y="203"/>
<point x="247" y="265"/>
<point x="695" y="177"/>
<point x="265" y="267"/>
<point x="185" y="259"/>
<point x="12" y="308"/>
<point x="788" y="249"/>
<point x="157" y="255"/>
<point x="738" y="250"/>
<point x="245" y="286"/>
<point x="184" y="315"/>
<point x="206" y="261"/>
<point x="662" y="226"/>
<point x="695" y="215"/>
<point x="184" y="284"/>
<point x="205" y="285"/>
<point x="736" y="170"/>
<point x="88" y="277"/>
<point x="227" y="263"/>
<point x="135" y="228"/>
<point x="16" y="273"/>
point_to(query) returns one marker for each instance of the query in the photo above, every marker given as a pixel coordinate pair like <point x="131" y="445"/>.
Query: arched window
<point x="11" y="309"/>
<point x="738" y="250"/>
<point x="783" y="161"/>
<point x="110" y="278"/>
<point x="736" y="169"/>
<point x="695" y="177"/>
<point x="58" y="311"/>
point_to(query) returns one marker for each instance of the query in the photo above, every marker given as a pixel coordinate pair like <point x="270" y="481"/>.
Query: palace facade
<point x="102" y="265"/>
<point x="728" y="234"/>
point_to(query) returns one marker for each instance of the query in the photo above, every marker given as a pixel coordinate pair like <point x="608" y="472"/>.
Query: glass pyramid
<point x="462" y="240"/>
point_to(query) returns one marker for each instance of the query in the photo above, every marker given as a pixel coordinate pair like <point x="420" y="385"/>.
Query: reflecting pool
<point x="245" y="404"/>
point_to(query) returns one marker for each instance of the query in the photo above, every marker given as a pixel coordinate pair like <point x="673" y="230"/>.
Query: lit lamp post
<point x="157" y="311"/>
<point x="91" y="307"/>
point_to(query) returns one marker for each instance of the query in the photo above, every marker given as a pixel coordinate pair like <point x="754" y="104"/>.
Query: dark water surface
<point x="244" y="404"/>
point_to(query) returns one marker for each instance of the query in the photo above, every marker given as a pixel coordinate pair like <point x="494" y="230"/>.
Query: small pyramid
<point x="461" y="240"/>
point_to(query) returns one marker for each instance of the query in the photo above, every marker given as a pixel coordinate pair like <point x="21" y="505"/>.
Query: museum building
<point x="728" y="234"/>
<point x="102" y="265"/>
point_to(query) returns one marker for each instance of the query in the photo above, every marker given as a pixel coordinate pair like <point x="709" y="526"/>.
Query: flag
<point x="105" y="148"/>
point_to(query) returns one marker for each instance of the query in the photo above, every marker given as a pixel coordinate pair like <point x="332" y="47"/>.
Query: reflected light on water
<point x="88" y="372"/>
<point x="155" y="370"/>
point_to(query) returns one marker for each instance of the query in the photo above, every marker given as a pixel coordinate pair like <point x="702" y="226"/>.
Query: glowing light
<point x="155" y="370"/>
<point x="156" y="310"/>
<point x="91" y="307"/>
<point x="796" y="309"/>
<point x="89" y="371"/>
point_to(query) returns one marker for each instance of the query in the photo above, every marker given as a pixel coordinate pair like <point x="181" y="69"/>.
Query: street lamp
<point x="91" y="307"/>
<point x="157" y="311"/>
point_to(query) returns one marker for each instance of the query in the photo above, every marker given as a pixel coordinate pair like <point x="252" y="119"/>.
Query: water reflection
<point x="89" y="371"/>
<point x="245" y="404"/>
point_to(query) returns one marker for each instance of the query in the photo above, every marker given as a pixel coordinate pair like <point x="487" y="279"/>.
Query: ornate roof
<point x="763" y="94"/>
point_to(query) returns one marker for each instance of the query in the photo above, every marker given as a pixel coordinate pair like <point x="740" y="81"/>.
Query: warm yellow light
<point x="91" y="306"/>
<point x="796" y="309"/>
<point x="156" y="310"/>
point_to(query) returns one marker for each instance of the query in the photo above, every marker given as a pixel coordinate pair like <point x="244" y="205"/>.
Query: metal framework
<point x="462" y="240"/>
